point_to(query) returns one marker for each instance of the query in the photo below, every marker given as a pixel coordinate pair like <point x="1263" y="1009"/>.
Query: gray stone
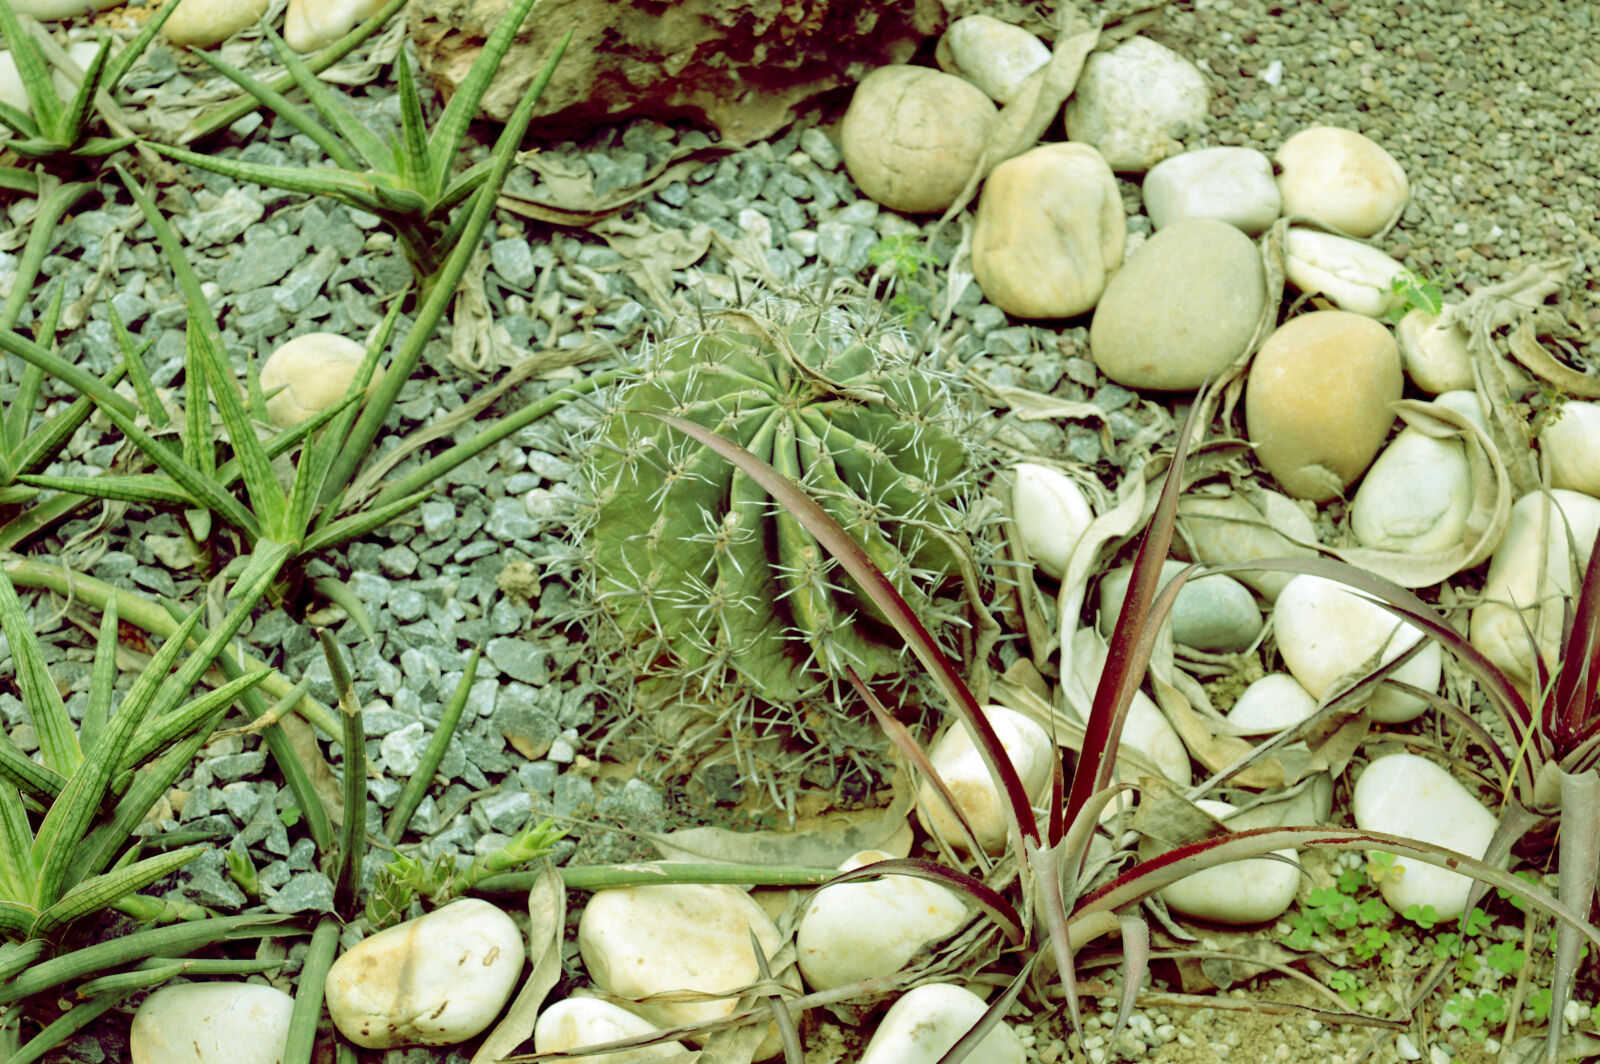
<point x="398" y="561"/>
<point x="237" y="766"/>
<point x="240" y="799"/>
<point x="574" y="796"/>
<point x="407" y="605"/>
<point x="509" y="520"/>
<point x="505" y="812"/>
<point x="529" y="726"/>
<point x="520" y="660"/>
<point x="437" y="517"/>
<point x="513" y="260"/>
<point x="259" y="263"/>
<point x="304" y="283"/>
<point x="211" y="888"/>
<point x="305" y="892"/>
<point x="637" y="804"/>
<point x="403" y="749"/>
<point x="1215" y="613"/>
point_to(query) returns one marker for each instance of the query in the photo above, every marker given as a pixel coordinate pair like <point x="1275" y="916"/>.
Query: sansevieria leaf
<point x="93" y="895"/>
<point x="58" y="741"/>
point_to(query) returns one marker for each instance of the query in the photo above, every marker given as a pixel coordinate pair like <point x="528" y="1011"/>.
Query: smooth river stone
<point x="927" y="1020"/>
<point x="1233" y="185"/>
<point x="1215" y="613"/>
<point x="1318" y="401"/>
<point x="962" y="768"/>
<point x="1136" y="103"/>
<point x="1049" y="232"/>
<point x="309" y="374"/>
<point x="1251" y="891"/>
<point x="995" y="56"/>
<point x="575" y="1022"/>
<point x="912" y="136"/>
<point x="1435" y="356"/>
<point x="640" y="941"/>
<point x="433" y="981"/>
<point x="872" y="928"/>
<point x="312" y="25"/>
<point x="203" y="23"/>
<point x="1182" y="309"/>
<point x="1271" y="704"/>
<point x="1572" y="441"/>
<point x="1325" y="631"/>
<point x="1356" y="276"/>
<point x="1231" y="528"/>
<point x="211" y="1023"/>
<point x="1052" y="515"/>
<point x="1416" y="497"/>
<point x="1513" y="577"/>
<point x="1403" y="794"/>
<point x="1340" y="178"/>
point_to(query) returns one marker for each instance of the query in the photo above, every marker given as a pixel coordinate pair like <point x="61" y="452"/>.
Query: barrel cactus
<point x="701" y="576"/>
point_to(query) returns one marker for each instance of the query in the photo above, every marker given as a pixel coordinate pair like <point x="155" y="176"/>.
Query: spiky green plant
<point x="700" y="578"/>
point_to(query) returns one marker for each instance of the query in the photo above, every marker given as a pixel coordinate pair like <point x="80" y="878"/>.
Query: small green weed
<point x="1417" y="292"/>
<point x="905" y="256"/>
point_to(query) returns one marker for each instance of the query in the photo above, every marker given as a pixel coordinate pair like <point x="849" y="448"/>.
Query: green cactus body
<point x="703" y="573"/>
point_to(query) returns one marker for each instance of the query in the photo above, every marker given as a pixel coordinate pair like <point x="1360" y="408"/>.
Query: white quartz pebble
<point x="203" y="23"/>
<point x="309" y="374"/>
<point x="1325" y="630"/>
<point x="211" y="1023"/>
<point x="1251" y="891"/>
<point x="955" y="757"/>
<point x="640" y="941"/>
<point x="1572" y="440"/>
<point x="1356" y="276"/>
<point x="1233" y="185"/>
<point x="995" y="56"/>
<point x="1416" y="496"/>
<point x="575" y="1022"/>
<point x="1051" y="514"/>
<point x="928" y="1020"/>
<point x="433" y="981"/>
<point x="870" y="928"/>
<point x="1271" y="704"/>
<point x="1408" y="795"/>
<point x="311" y="25"/>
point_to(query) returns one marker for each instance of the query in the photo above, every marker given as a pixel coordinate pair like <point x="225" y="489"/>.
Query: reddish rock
<point x="741" y="66"/>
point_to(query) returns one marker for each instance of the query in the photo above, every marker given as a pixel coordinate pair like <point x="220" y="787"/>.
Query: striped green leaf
<point x="285" y="109"/>
<point x="36" y="80"/>
<point x="76" y="116"/>
<point x="94" y="895"/>
<point x="102" y="678"/>
<point x="57" y="739"/>
<point x="412" y="149"/>
<point x="27" y="775"/>
<point x="149" y="488"/>
<point x="359" y="524"/>
<point x="68" y="1023"/>
<point x="133" y="359"/>
<point x="445" y="143"/>
<point x="163" y="731"/>
<point x="16" y="918"/>
<point x="332" y="110"/>
<point x="18" y="957"/>
<point x="16" y="841"/>
<point x="260" y="483"/>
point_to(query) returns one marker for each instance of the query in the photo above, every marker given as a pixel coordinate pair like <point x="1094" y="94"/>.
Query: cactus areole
<point x="710" y="581"/>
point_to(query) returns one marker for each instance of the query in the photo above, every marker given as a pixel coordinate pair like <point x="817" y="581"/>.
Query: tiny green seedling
<point x="904" y="256"/>
<point x="1416" y="292"/>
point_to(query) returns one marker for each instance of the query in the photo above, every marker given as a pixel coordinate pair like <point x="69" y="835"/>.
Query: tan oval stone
<point x="957" y="760"/>
<point x="311" y="25"/>
<point x="1341" y="178"/>
<point x="1049" y="232"/>
<point x="1572" y="442"/>
<point x="1181" y="309"/>
<point x="912" y="136"/>
<point x="1513" y="577"/>
<point x="995" y="56"/>
<point x="1435" y="356"/>
<point x="1318" y="402"/>
<point x="221" y="1022"/>
<point x="202" y="23"/>
<point x="314" y="371"/>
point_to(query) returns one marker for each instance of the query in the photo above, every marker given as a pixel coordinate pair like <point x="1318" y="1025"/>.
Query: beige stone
<point x="926" y="1021"/>
<point x="221" y="1022"/>
<point x="1341" y="178"/>
<point x="1233" y="185"/>
<point x="314" y="371"/>
<point x="1052" y="515"/>
<point x="433" y="981"/>
<point x="312" y="25"/>
<point x="995" y="56"/>
<point x="203" y="23"/>
<point x="1250" y="891"/>
<point x="575" y="1022"/>
<point x="1435" y="356"/>
<point x="1318" y="401"/>
<point x="1271" y="704"/>
<point x="1572" y="443"/>
<point x="913" y="136"/>
<point x="1049" y="232"/>
<point x="1513" y="583"/>
<point x="1181" y="309"/>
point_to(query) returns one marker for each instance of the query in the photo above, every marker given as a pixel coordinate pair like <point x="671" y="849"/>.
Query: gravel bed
<point x="1488" y="106"/>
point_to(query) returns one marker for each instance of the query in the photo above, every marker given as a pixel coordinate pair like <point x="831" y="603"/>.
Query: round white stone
<point x="1435" y="356"/>
<point x="1341" y="178"/>
<point x="926" y="1021"/>
<point x="1251" y="891"/>
<point x="1356" y="276"/>
<point x="1233" y="185"/>
<point x="1136" y="103"/>
<point x="1051" y="514"/>
<point x="575" y="1022"/>
<point x="211" y="1023"/>
<point x="956" y="759"/>
<point x="1228" y="528"/>
<point x="1416" y="497"/>
<point x="995" y="56"/>
<point x="871" y="928"/>
<point x="1572" y="441"/>
<point x="1403" y="794"/>
<point x="312" y="25"/>
<point x="1271" y="704"/>
<point x="433" y="981"/>
<point x="314" y="371"/>
<point x="640" y="941"/>
<point x="202" y="23"/>
<point x="1325" y="631"/>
